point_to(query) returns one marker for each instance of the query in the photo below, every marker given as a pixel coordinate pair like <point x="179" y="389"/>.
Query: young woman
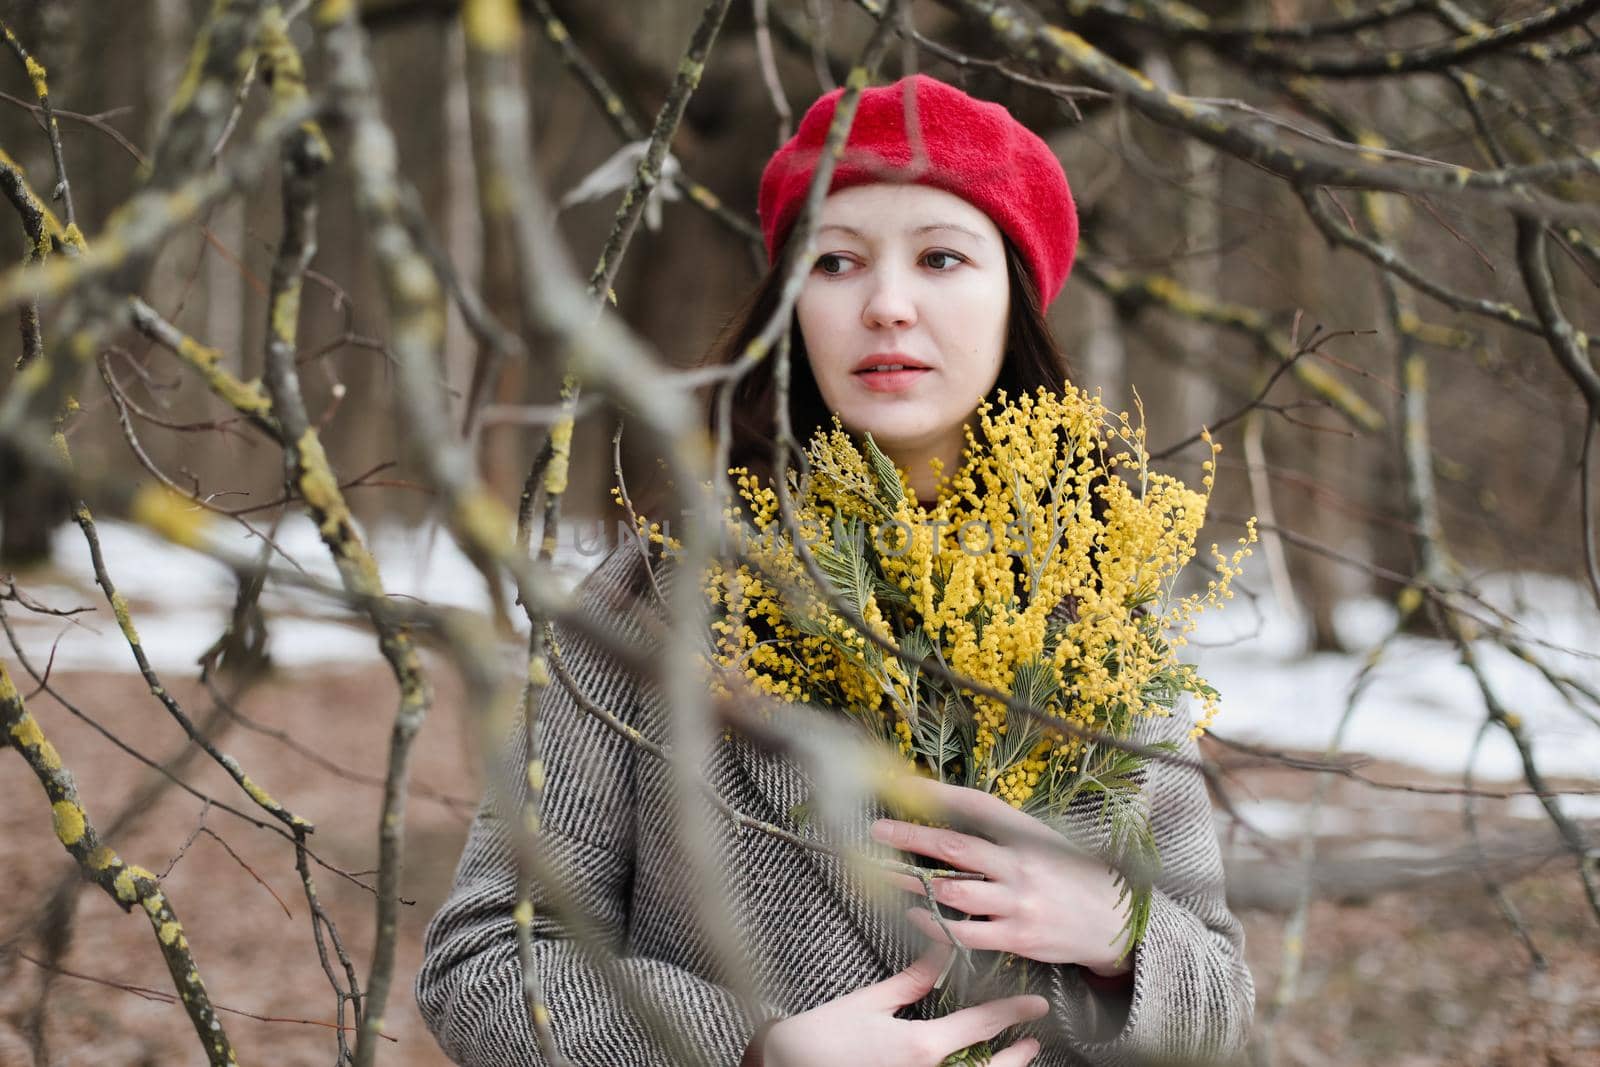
<point x="948" y="228"/>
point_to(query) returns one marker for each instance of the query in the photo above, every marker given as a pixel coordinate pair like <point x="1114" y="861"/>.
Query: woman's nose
<point x="890" y="302"/>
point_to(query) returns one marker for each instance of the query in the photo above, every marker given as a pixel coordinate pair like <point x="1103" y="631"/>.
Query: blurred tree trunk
<point x="31" y="507"/>
<point x="1200" y="267"/>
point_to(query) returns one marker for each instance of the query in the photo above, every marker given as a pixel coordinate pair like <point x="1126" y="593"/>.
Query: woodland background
<point x="1419" y="452"/>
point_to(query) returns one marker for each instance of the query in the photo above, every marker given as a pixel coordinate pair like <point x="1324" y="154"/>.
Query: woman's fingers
<point x="968" y="894"/>
<point x="913" y="983"/>
<point x="1016" y="1054"/>
<point x="955" y="848"/>
<point x="971" y="933"/>
<point x="972" y="805"/>
<point x="982" y="1021"/>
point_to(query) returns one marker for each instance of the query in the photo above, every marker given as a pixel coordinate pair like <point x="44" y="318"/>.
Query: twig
<point x="128" y="885"/>
<point x="621" y="118"/>
<point x="37" y="75"/>
<point x="1507" y="909"/>
<point x="769" y="71"/>
<point x="1586" y="506"/>
<point x="649" y="174"/>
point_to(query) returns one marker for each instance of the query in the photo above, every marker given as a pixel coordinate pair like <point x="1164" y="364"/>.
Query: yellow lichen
<point x="414" y="280"/>
<point x="704" y="197"/>
<point x="36" y="74"/>
<point x="102" y="857"/>
<point x="332" y="12"/>
<point x="555" y="475"/>
<point x="26" y="732"/>
<point x="498" y="194"/>
<point x="318" y="485"/>
<point x="202" y="357"/>
<point x="286" y="314"/>
<point x="321" y="492"/>
<point x="32" y="377"/>
<point x="192" y="70"/>
<point x="1416" y="375"/>
<point x="168" y="932"/>
<point x="49" y="758"/>
<point x="257" y="794"/>
<point x="485" y="522"/>
<point x="69" y="822"/>
<point x="119" y="607"/>
<point x="492" y="25"/>
<point x="159" y="509"/>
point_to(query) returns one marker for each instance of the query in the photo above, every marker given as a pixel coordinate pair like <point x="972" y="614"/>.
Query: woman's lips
<point x="890" y="381"/>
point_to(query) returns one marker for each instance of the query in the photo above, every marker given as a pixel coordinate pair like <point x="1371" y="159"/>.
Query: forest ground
<point x="1428" y="974"/>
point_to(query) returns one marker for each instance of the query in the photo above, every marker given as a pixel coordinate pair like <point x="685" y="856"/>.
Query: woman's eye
<point x="830" y="263"/>
<point x="941" y="260"/>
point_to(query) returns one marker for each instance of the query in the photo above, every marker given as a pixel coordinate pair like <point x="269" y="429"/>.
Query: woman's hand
<point x="860" y="1027"/>
<point x="1039" y="900"/>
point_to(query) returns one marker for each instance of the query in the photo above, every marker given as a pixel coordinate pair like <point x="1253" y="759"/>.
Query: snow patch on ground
<point x="1420" y="708"/>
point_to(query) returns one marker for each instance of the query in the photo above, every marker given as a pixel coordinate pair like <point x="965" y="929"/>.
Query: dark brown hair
<point x="1032" y="359"/>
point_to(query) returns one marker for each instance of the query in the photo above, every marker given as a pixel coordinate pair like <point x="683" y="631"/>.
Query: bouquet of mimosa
<point x="1046" y="569"/>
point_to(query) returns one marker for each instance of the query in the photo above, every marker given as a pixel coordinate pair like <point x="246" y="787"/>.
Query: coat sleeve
<point x="1193" y="998"/>
<point x="469" y="988"/>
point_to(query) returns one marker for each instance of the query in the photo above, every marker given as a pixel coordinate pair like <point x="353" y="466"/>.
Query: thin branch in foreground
<point x="1491" y="884"/>
<point x="38" y="76"/>
<point x="128" y="885"/>
<point x="162" y="997"/>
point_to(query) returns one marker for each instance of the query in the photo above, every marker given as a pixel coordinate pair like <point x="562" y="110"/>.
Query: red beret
<point x="973" y="149"/>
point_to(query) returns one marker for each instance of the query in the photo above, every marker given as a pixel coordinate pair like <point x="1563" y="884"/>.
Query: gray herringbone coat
<point x="809" y="930"/>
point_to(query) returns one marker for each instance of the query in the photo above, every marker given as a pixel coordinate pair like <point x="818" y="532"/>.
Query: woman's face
<point x="914" y="276"/>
